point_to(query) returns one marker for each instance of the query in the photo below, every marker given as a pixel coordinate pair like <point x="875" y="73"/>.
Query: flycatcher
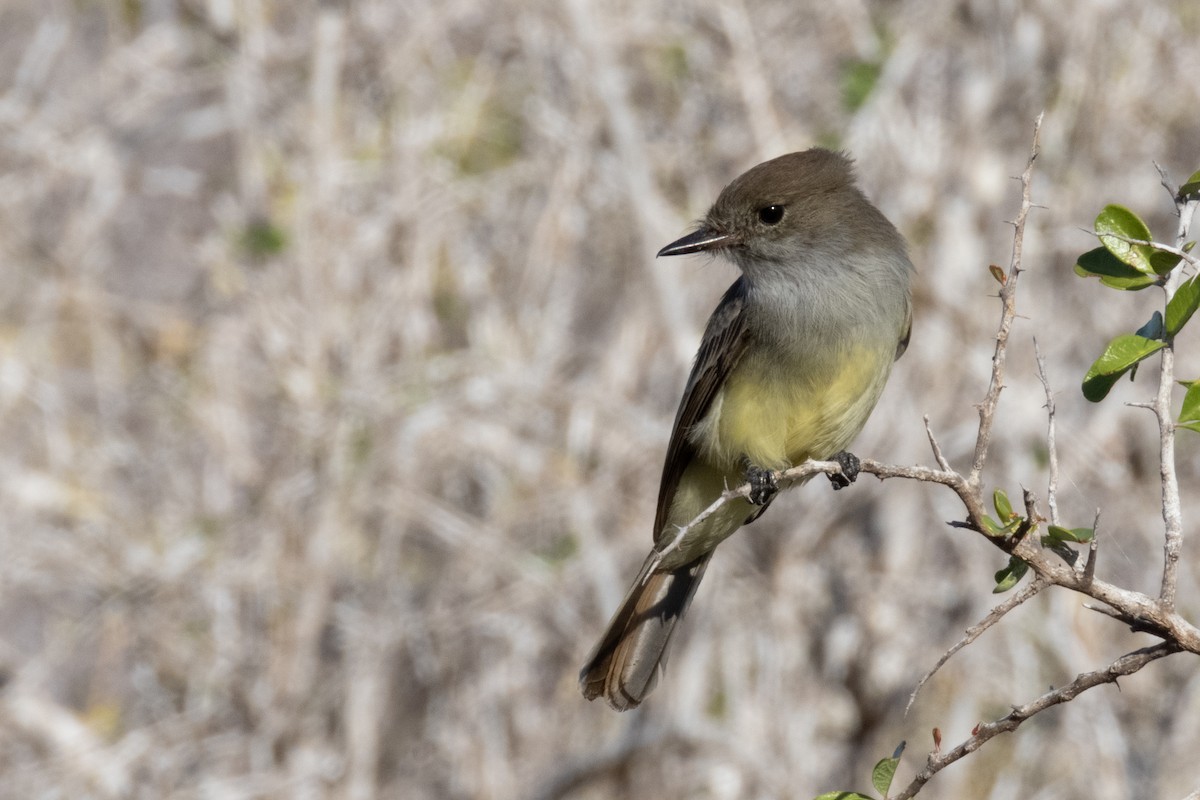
<point x="792" y="362"/>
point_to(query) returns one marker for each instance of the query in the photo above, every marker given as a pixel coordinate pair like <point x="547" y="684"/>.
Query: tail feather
<point x="625" y="665"/>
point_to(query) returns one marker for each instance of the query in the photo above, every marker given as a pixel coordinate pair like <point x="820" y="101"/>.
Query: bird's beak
<point x="703" y="239"/>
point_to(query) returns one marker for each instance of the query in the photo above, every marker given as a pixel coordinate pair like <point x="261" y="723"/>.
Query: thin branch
<point x="1186" y="211"/>
<point x="1176" y="250"/>
<point x="795" y="474"/>
<point x="937" y="449"/>
<point x="681" y="531"/>
<point x="1165" y="180"/>
<point x="1051" y="448"/>
<point x="1140" y="610"/>
<point x="1032" y="518"/>
<point x="1171" y="511"/>
<point x="803" y="472"/>
<point x="1135" y="625"/>
<point x="1134" y="605"/>
<point x="884" y="471"/>
<point x="1089" y="566"/>
<point x="976" y="630"/>
<point x="1008" y="295"/>
<point x="1125" y="665"/>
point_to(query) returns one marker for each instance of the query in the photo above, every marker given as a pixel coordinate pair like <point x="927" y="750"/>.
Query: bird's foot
<point x="850" y="466"/>
<point x="763" y="483"/>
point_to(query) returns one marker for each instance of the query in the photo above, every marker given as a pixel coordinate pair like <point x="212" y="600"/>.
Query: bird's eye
<point x="770" y="215"/>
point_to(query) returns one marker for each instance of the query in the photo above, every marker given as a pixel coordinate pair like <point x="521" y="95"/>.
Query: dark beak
<point x="696" y="242"/>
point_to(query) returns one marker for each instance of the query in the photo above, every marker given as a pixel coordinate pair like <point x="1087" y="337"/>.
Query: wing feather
<point x="724" y="343"/>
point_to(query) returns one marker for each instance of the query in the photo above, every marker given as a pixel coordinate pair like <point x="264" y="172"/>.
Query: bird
<point x="791" y="364"/>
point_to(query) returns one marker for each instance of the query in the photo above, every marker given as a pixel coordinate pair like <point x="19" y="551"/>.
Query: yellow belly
<point x="777" y="418"/>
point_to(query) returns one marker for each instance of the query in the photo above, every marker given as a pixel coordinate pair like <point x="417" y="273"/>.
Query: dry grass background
<point x="336" y="373"/>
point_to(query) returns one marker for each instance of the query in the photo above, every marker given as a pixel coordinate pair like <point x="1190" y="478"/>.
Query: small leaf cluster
<point x="1130" y="260"/>
<point x="1012" y="524"/>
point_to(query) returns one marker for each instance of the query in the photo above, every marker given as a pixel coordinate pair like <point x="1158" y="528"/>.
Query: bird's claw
<point x="763" y="484"/>
<point x="850" y="466"/>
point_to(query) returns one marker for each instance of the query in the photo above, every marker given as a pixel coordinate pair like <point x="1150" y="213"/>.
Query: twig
<point x="1008" y="296"/>
<point x="681" y="531"/>
<point x="1134" y="605"/>
<point x="976" y="630"/>
<point x="1186" y="211"/>
<point x="1166" y="248"/>
<point x="795" y="474"/>
<point x="1051" y="447"/>
<point x="1125" y="665"/>
<point x="1171" y="511"/>
<point x="937" y="449"/>
<point x="1089" y="566"/>
<point x="1135" y="624"/>
<point x="1165" y="180"/>
<point x="800" y="473"/>
<point x="1032" y="518"/>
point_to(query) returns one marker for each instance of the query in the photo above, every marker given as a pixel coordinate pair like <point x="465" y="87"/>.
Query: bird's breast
<point x="779" y="411"/>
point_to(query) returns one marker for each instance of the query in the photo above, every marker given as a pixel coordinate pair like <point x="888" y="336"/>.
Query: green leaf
<point x="1003" y="507"/>
<point x="1112" y="273"/>
<point x="995" y="530"/>
<point x="1077" y="535"/>
<point x="1191" y="188"/>
<point x="883" y="773"/>
<point x="1189" y="415"/>
<point x="842" y="796"/>
<point x="1183" y="305"/>
<point x="1154" y="327"/>
<point x="1118" y="358"/>
<point x="1011" y="575"/>
<point x="1114" y="225"/>
<point x="1163" y="262"/>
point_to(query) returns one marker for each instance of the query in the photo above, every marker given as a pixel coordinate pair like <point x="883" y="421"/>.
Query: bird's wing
<point x="903" y="344"/>
<point x="725" y="340"/>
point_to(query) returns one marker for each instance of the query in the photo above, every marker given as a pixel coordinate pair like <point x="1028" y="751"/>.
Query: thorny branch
<point x="1008" y="302"/>
<point x="1125" y="665"/>
<point x="1171" y="512"/>
<point x="975" y="631"/>
<point x="1051" y="445"/>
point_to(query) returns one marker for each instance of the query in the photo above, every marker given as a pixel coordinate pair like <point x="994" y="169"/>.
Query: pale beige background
<point x="340" y="515"/>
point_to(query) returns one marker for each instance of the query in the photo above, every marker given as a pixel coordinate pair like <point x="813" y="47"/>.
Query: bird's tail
<point x="625" y="665"/>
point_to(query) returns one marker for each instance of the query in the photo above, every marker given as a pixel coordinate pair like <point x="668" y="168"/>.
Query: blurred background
<point x="336" y="374"/>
